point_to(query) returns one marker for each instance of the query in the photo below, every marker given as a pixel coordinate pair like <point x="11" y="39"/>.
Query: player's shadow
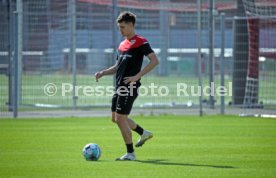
<point x="165" y="162"/>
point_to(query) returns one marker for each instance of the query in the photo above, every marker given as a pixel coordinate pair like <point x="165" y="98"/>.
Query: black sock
<point x="130" y="148"/>
<point x="139" y="130"/>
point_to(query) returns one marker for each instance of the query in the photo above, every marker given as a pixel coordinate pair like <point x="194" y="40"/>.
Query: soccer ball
<point x="91" y="152"/>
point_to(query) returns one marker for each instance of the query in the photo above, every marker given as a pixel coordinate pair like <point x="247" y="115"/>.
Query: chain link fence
<point x="63" y="43"/>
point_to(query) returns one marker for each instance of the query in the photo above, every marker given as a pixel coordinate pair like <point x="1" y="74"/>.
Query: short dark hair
<point x="126" y="17"/>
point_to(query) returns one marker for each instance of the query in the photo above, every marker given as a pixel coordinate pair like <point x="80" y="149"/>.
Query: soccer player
<point x="128" y="74"/>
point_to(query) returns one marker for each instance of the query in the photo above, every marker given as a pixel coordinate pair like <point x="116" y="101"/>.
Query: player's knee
<point x="119" y="118"/>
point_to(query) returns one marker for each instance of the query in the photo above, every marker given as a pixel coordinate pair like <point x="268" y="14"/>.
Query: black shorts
<point x="122" y="103"/>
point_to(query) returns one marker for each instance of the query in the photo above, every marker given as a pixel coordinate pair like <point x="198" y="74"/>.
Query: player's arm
<point x="153" y="62"/>
<point x="110" y="71"/>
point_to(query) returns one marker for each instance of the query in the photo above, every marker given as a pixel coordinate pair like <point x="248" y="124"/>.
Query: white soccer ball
<point x="91" y="152"/>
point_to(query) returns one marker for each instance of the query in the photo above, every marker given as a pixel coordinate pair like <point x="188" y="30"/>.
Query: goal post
<point x="260" y="90"/>
<point x="252" y="84"/>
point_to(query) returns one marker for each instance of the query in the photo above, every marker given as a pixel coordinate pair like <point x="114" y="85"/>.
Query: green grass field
<point x="212" y="146"/>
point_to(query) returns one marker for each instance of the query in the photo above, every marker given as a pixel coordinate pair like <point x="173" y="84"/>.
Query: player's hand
<point x="98" y="75"/>
<point x="132" y="79"/>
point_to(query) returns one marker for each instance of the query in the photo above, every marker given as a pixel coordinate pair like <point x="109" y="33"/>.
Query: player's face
<point x="125" y="28"/>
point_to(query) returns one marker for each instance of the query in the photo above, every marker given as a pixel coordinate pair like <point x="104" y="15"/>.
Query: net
<point x="5" y="10"/>
<point x="51" y="29"/>
<point x="260" y="84"/>
<point x="47" y="44"/>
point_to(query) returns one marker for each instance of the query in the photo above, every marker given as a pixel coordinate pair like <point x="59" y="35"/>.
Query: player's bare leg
<point x="113" y="117"/>
<point x="123" y="125"/>
<point x="131" y="123"/>
<point x="145" y="135"/>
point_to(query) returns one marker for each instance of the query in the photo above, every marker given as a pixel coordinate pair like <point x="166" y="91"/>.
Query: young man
<point x="128" y="74"/>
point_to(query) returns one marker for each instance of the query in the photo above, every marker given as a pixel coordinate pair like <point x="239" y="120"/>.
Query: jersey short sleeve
<point x="146" y="49"/>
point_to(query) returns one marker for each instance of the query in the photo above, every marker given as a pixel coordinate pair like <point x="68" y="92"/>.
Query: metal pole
<point x="73" y="50"/>
<point x="114" y="33"/>
<point x="115" y="28"/>
<point x="20" y="48"/>
<point x="15" y="77"/>
<point x="11" y="32"/>
<point x="222" y="28"/>
<point x="18" y="57"/>
<point x="164" y="38"/>
<point x="199" y="57"/>
<point x="211" y="51"/>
